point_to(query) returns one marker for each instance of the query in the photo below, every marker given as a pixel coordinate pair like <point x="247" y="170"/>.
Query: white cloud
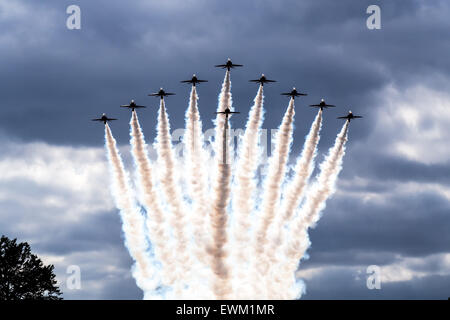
<point x="33" y="23"/>
<point x="357" y="188"/>
<point x="57" y="199"/>
<point x="408" y="268"/>
<point x="54" y="173"/>
<point x="414" y="123"/>
<point x="402" y="269"/>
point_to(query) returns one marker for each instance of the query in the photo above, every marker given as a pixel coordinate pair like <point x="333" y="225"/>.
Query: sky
<point x="392" y="205"/>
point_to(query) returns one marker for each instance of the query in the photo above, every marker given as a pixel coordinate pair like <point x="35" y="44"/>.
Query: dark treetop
<point x="23" y="276"/>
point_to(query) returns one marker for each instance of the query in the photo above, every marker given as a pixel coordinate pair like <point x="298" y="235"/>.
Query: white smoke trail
<point x="303" y="170"/>
<point x="248" y="162"/>
<point x="295" y="190"/>
<point x="175" y="269"/>
<point x="293" y="196"/>
<point x="155" y="216"/>
<point x="272" y="188"/>
<point x="196" y="159"/>
<point x="309" y="214"/>
<point x="166" y="160"/>
<point x="221" y="196"/>
<point x="132" y="220"/>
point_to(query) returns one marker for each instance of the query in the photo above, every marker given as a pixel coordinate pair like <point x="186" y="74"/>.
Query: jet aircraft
<point x="350" y="116"/>
<point x="262" y="80"/>
<point x="194" y="80"/>
<point x="322" y="105"/>
<point x="294" y="93"/>
<point x="227" y="112"/>
<point x="132" y="106"/>
<point x="104" y="118"/>
<point x="229" y="65"/>
<point x="161" y="93"/>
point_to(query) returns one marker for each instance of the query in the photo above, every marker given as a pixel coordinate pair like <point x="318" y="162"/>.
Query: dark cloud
<point x="54" y="84"/>
<point x="391" y="169"/>
<point x="411" y="225"/>
<point x="348" y="283"/>
<point x="319" y="256"/>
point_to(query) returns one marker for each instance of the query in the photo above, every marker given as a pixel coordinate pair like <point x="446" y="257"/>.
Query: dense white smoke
<point x="156" y="224"/>
<point x="196" y="158"/>
<point x="220" y="197"/>
<point x="173" y="192"/>
<point x="297" y="242"/>
<point x="244" y="201"/>
<point x="303" y="170"/>
<point x="219" y="233"/>
<point x="271" y="198"/>
<point x="132" y="219"/>
<point x="293" y="195"/>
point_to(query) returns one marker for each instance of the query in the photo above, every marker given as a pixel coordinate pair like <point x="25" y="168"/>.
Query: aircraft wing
<point x="97" y="119"/>
<point x="220" y="66"/>
<point x="186" y="81"/>
<point x="315" y="105"/>
<point x="202" y="80"/>
<point x="125" y="106"/>
<point x="286" y="94"/>
<point x="237" y="65"/>
<point x="357" y="116"/>
<point x="256" y="80"/>
<point x="270" y="80"/>
<point x="234" y="112"/>
<point x="330" y="106"/>
<point x="154" y="94"/>
<point x="346" y="117"/>
<point x="169" y="94"/>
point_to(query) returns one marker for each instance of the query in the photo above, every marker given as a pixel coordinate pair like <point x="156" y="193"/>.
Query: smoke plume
<point x="321" y="190"/>
<point x="221" y="196"/>
<point x="155" y="221"/>
<point x="217" y="228"/>
<point x="248" y="162"/>
<point x="195" y="159"/>
<point x="172" y="192"/>
<point x="273" y="183"/>
<point x="132" y="219"/>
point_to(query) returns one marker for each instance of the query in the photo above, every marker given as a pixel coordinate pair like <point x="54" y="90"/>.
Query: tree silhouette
<point x="23" y="275"/>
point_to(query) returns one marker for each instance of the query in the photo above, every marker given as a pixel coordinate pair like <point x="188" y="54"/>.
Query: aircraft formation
<point x="230" y="65"/>
<point x="221" y="236"/>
